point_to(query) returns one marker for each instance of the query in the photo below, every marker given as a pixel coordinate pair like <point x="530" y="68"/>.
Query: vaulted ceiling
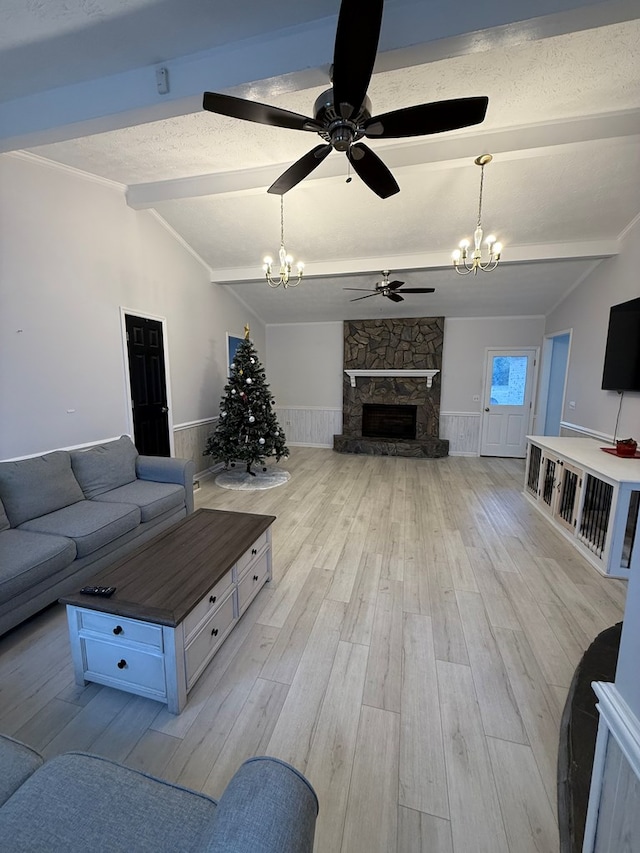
<point x="563" y="124"/>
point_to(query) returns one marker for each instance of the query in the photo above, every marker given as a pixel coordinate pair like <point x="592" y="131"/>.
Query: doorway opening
<point x="555" y="365"/>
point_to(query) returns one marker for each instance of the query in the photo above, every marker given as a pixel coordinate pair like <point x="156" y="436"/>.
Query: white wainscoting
<point x="613" y="816"/>
<point x="576" y="431"/>
<point x="462" y="429"/>
<point x="190" y="439"/>
<point x="309" y="426"/>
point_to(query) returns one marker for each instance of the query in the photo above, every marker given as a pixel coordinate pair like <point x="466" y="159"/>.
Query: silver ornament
<point x="261" y="441"/>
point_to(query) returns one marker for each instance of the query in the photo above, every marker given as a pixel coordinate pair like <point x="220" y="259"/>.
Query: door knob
<point x="486" y="408"/>
<point x="164" y="410"/>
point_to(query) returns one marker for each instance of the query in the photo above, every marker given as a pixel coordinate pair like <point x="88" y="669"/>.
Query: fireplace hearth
<point x="381" y="420"/>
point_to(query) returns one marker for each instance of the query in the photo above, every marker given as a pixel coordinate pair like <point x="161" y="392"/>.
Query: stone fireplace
<point x="391" y="387"/>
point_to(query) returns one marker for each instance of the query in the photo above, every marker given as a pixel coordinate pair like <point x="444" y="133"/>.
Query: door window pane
<point x="508" y="380"/>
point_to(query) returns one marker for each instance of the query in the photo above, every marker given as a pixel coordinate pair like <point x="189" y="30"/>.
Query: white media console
<point x="590" y="496"/>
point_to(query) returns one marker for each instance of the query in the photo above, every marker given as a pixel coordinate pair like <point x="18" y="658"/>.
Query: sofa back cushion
<point x="105" y="467"/>
<point x="34" y="487"/>
<point x="4" y="521"/>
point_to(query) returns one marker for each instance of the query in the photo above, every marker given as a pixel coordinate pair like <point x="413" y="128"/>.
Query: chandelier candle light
<point x="285" y="260"/>
<point x="461" y="261"/>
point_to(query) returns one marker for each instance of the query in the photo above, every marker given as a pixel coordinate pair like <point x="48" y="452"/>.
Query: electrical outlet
<point x="572" y="404"/>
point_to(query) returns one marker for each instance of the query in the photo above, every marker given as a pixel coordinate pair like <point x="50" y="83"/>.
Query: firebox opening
<point x="387" y="421"/>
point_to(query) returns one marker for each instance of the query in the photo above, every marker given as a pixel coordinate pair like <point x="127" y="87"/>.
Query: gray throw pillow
<point x="34" y="487"/>
<point x="106" y="466"/>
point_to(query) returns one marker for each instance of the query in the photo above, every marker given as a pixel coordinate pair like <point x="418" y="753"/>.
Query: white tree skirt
<point x="237" y="478"/>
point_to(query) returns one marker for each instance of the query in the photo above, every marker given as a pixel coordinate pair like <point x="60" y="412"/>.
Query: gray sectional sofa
<point x="65" y="515"/>
<point x="78" y="802"/>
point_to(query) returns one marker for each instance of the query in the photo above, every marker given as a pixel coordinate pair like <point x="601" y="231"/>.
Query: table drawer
<point x="123" y="630"/>
<point x="252" y="580"/>
<point x="208" y="604"/>
<point x="251" y="553"/>
<point x="207" y="640"/>
<point x="125" y="665"/>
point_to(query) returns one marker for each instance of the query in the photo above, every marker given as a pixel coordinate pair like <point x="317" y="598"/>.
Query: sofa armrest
<point x="166" y="469"/>
<point x="18" y="762"/>
<point x="267" y="807"/>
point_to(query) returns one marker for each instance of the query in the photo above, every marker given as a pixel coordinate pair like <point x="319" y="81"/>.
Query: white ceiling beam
<point x="433" y="152"/>
<point x="596" y="250"/>
<point x="287" y="60"/>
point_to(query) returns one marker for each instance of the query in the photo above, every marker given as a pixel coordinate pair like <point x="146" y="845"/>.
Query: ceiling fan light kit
<point x="342" y="114"/>
<point x="463" y="263"/>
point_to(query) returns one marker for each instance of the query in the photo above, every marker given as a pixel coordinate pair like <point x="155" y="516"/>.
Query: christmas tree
<point x="248" y="430"/>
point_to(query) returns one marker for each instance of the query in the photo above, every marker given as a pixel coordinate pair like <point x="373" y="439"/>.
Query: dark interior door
<point x="148" y="385"/>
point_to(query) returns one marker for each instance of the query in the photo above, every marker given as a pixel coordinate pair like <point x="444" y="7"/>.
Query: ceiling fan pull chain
<point x="349" y="178"/>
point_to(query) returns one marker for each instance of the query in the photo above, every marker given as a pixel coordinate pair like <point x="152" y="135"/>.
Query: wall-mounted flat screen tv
<point x="622" y="355"/>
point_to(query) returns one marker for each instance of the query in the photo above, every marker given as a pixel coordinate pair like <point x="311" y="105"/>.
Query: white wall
<point x="71" y="255"/>
<point x="586" y="311"/>
<point x="305" y="364"/>
<point x="463" y="357"/>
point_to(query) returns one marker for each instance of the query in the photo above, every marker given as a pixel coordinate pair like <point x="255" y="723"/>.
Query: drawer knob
<point x="213" y="599"/>
<point x="122" y="663"/>
<point x="214" y="632"/>
<point x="255" y="577"/>
<point x="254" y="551"/>
<point x="118" y="629"/>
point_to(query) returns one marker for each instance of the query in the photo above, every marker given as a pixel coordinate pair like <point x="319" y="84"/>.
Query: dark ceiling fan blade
<point x="227" y="105"/>
<point x="418" y="290"/>
<point x="372" y="170"/>
<point x="354" y="53"/>
<point x="394" y="297"/>
<point x="300" y="169"/>
<point x="394" y="285"/>
<point x="358" y="298"/>
<point x="427" y="118"/>
<point x="363" y="289"/>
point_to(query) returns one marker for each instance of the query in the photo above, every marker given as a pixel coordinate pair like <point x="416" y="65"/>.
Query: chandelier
<point x="286" y="262"/>
<point x="462" y="262"/>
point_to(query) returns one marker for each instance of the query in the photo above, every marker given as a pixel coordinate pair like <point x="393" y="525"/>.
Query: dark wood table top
<point x="164" y="579"/>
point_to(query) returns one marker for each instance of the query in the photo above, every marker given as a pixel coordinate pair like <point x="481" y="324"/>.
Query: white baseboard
<point x="308" y="444"/>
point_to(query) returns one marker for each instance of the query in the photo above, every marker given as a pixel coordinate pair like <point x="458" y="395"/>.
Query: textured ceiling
<point x="563" y="124"/>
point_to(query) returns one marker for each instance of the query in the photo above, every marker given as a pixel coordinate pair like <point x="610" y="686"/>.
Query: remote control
<point x="104" y="591"/>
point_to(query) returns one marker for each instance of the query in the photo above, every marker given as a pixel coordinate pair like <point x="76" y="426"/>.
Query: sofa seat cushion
<point x="27" y="558"/>
<point x="90" y="524"/>
<point x="105" y="466"/>
<point x="152" y="498"/>
<point x="34" y="487"/>
<point x="18" y="762"/>
<point x="78" y="802"/>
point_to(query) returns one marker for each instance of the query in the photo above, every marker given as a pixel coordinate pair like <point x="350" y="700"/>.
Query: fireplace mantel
<point x="406" y="374"/>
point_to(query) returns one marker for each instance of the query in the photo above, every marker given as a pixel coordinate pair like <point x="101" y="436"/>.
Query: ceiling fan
<point x="389" y="289"/>
<point x="342" y="114"/>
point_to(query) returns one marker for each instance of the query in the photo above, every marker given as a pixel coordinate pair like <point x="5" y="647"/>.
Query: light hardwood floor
<point x="411" y="656"/>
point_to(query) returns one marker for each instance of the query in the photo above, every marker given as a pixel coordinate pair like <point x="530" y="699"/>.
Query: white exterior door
<point x="508" y="389"/>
